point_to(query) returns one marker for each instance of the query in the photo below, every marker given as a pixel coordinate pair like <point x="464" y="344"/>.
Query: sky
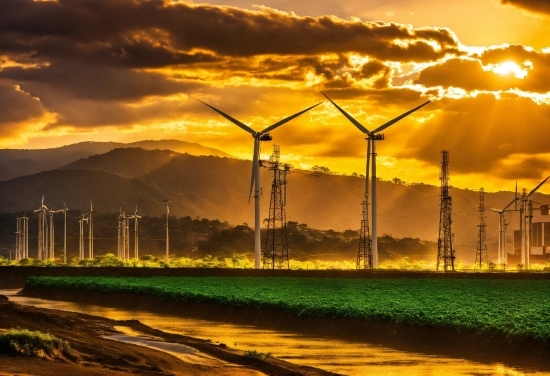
<point x="129" y="70"/>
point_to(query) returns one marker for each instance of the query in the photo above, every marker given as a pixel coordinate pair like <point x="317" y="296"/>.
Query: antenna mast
<point x="481" y="254"/>
<point x="275" y="253"/>
<point x="445" y="251"/>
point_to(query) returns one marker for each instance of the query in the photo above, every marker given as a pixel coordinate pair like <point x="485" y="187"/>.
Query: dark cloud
<point x="94" y="82"/>
<point x="483" y="132"/>
<point x="537" y="6"/>
<point x="151" y="33"/>
<point x="16" y="109"/>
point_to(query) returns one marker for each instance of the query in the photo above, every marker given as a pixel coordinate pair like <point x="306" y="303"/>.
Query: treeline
<point x="200" y="237"/>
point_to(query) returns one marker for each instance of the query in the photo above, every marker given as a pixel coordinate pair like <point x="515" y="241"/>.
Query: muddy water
<point x="350" y="358"/>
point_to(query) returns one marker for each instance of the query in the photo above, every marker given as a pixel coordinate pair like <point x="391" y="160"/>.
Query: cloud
<point x="17" y="110"/>
<point x="536" y="6"/>
<point x="95" y="82"/>
<point x="478" y="72"/>
<point x="153" y="33"/>
<point x="483" y="133"/>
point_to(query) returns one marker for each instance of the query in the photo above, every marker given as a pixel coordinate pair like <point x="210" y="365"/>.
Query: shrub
<point x="25" y="342"/>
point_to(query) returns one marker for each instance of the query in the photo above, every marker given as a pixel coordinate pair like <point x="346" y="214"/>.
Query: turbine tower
<point x="51" y="252"/>
<point x="91" y="231"/>
<point x="525" y="216"/>
<point x="123" y="242"/>
<point x="135" y="217"/>
<point x="255" y="179"/>
<point x="42" y="230"/>
<point x="167" y="233"/>
<point x="502" y="232"/>
<point x="65" y="233"/>
<point x="372" y="137"/>
<point x="83" y="218"/>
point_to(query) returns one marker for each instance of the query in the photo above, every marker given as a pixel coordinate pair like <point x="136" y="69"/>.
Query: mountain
<point x="21" y="162"/>
<point x="218" y="188"/>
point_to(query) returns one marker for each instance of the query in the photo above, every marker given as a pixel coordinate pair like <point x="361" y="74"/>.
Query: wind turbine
<point x="501" y="233"/>
<point x="167" y="234"/>
<point x="81" y="219"/>
<point x="42" y="234"/>
<point x="65" y="233"/>
<point x="372" y="137"/>
<point x="91" y="231"/>
<point x="260" y="136"/>
<point x="136" y="245"/>
<point x="525" y="246"/>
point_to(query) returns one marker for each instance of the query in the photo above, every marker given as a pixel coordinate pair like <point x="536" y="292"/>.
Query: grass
<point x="510" y="308"/>
<point x="23" y="342"/>
<point x="257" y="355"/>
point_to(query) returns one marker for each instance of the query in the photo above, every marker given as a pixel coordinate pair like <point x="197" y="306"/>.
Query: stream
<point x="345" y="357"/>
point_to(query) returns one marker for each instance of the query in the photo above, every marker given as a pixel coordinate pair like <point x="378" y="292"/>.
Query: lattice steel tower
<point x="481" y="254"/>
<point x="275" y="252"/>
<point x="445" y="251"/>
<point x="364" y="256"/>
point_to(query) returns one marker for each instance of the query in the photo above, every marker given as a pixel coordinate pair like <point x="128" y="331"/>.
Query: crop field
<point x="515" y="309"/>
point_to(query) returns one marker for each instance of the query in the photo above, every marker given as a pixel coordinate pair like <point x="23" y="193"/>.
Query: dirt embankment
<point x="101" y="356"/>
<point x="525" y="353"/>
<point x="15" y="276"/>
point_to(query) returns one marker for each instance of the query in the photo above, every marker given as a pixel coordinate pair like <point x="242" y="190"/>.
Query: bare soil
<point x="101" y="356"/>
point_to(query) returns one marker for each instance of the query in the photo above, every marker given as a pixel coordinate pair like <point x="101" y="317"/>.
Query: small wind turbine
<point x="81" y="221"/>
<point x="135" y="217"/>
<point x="167" y="236"/>
<point x="91" y="231"/>
<point x="255" y="179"/>
<point x="372" y="137"/>
<point x="65" y="233"/>
<point x="42" y="234"/>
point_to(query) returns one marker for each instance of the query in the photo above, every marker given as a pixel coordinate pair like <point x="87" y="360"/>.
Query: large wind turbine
<point x="255" y="179"/>
<point x="372" y="137"/>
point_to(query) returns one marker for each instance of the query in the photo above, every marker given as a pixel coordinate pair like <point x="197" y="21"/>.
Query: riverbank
<point x="15" y="276"/>
<point x="526" y="353"/>
<point x="98" y="355"/>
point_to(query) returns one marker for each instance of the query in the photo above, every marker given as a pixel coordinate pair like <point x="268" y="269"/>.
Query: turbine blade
<point x="254" y="162"/>
<point x="231" y="119"/>
<point x="511" y="202"/>
<point x="349" y="117"/>
<point x="393" y="121"/>
<point x="286" y="120"/>
<point x="538" y="186"/>
<point x="496" y="211"/>
<point x="516" y="195"/>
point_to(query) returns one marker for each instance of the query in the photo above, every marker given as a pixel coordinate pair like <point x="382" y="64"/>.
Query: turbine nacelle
<point x="265" y="137"/>
<point x="376" y="137"/>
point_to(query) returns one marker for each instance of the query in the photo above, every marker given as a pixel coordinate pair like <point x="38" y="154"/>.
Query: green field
<point x="515" y="309"/>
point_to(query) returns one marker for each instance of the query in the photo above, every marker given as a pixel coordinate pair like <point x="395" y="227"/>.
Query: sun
<point x="510" y="67"/>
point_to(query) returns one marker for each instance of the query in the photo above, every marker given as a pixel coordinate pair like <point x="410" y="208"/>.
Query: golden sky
<point x="125" y="70"/>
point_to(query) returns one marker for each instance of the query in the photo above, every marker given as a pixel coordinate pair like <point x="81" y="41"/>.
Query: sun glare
<point x="510" y="67"/>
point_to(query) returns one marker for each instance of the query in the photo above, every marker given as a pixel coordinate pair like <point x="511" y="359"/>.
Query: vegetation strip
<point x="19" y="342"/>
<point x="514" y="309"/>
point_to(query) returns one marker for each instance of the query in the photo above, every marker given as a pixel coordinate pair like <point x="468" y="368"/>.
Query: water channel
<point x="349" y="358"/>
